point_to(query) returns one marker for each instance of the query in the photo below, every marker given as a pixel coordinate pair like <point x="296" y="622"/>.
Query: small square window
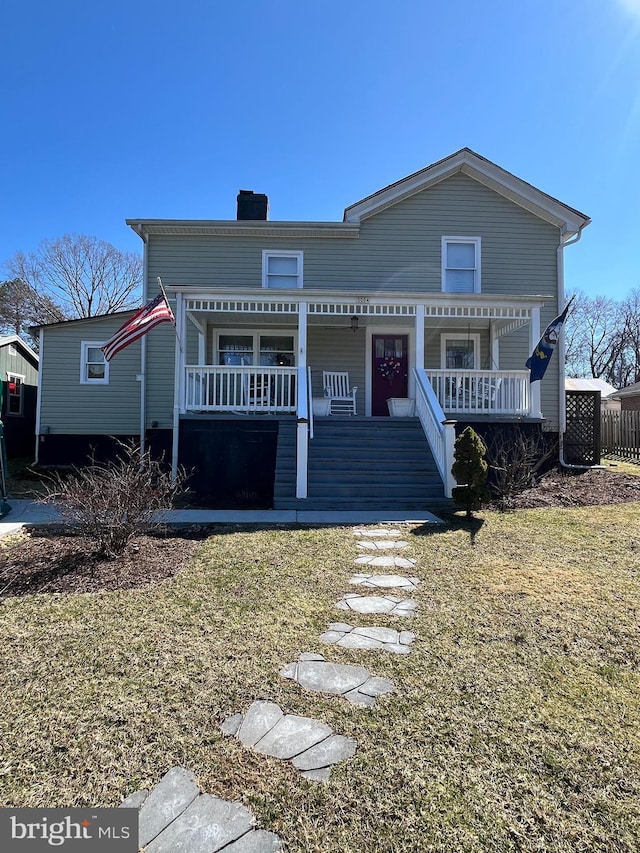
<point x="281" y="270"/>
<point x="460" y="352"/>
<point x="15" y="392"/>
<point x="94" y="370"/>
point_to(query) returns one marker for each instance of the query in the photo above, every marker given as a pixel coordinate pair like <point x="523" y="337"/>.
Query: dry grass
<point x="513" y="726"/>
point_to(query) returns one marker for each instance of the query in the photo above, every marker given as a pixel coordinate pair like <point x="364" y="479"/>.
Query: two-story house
<point x="430" y="293"/>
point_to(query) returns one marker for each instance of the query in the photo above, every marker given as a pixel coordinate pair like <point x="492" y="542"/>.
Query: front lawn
<point x="514" y="725"/>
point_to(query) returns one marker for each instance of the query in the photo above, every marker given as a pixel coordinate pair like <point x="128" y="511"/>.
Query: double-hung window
<point x="461" y="264"/>
<point x="94" y="370"/>
<point x="243" y="349"/>
<point x="281" y="270"/>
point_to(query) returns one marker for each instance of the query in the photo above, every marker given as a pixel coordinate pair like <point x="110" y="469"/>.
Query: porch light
<point x="354" y="323"/>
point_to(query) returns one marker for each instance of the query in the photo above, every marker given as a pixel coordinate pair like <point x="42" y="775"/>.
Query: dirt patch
<point x="566" y="488"/>
<point x="49" y="561"/>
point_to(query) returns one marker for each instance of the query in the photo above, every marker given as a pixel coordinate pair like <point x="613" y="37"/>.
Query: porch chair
<point x="257" y="394"/>
<point x="336" y="388"/>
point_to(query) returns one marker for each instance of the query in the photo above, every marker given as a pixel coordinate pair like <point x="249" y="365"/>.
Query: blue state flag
<point x="541" y="355"/>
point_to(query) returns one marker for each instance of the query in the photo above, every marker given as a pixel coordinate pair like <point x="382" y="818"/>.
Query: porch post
<point x="419" y="336"/>
<point x="302" y="433"/>
<point x="535" y="410"/>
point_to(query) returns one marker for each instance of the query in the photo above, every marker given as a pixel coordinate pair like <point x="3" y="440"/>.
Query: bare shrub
<point x="112" y="502"/>
<point x="515" y="460"/>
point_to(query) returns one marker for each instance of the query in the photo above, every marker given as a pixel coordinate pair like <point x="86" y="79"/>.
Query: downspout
<point x="561" y="355"/>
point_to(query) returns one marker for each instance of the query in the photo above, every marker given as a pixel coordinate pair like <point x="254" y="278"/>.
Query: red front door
<point x="389" y="370"/>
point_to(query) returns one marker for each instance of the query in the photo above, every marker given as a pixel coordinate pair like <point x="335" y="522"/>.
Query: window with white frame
<point x="15" y="392"/>
<point x="245" y="348"/>
<point x="281" y="270"/>
<point x="94" y="370"/>
<point x="461" y="264"/>
<point x="460" y="352"/>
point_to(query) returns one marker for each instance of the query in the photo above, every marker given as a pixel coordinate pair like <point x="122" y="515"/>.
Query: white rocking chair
<point x="336" y="389"/>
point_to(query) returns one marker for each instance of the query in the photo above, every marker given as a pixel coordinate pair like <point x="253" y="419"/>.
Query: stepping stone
<point x="377" y="532"/>
<point x="177" y="816"/>
<point x="382" y="544"/>
<point x="352" y="682"/>
<point x="386" y="639"/>
<point x="311" y="746"/>
<point x="385" y="582"/>
<point x="386" y="561"/>
<point x="387" y="604"/>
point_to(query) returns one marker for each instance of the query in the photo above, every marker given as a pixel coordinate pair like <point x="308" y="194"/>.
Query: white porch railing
<point x="486" y="392"/>
<point x="439" y="431"/>
<point x="270" y="390"/>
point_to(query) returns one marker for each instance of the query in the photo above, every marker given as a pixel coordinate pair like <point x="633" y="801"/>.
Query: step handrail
<point x="439" y="431"/>
<point x="310" y="402"/>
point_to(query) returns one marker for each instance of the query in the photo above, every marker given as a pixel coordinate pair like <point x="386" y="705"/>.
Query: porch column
<point x="495" y="347"/>
<point x="178" y="379"/>
<point x="534" y="387"/>
<point x="302" y="434"/>
<point x="419" y="336"/>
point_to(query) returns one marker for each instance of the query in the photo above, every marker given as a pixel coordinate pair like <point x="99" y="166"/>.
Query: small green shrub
<point x="470" y="471"/>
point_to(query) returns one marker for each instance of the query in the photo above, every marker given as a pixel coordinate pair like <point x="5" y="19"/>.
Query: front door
<point x="389" y="370"/>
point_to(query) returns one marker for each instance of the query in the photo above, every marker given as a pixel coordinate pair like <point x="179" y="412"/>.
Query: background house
<point x="628" y="398"/>
<point x="434" y="289"/>
<point x="609" y="402"/>
<point x="19" y="373"/>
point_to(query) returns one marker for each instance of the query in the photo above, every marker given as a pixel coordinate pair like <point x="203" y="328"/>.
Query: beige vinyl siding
<point x="399" y="249"/>
<point x="69" y="407"/>
<point x="18" y="364"/>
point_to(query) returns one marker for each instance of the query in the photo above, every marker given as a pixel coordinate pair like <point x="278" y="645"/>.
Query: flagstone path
<point x="355" y="683"/>
<point x="374" y="637"/>
<point x="176" y="816"/>
<point x="385" y="562"/>
<point x="311" y="746"/>
<point x="385" y="582"/>
<point x="388" y="604"/>
<point x="382" y="544"/>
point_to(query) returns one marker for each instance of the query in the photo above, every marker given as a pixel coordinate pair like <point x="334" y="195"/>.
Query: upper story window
<point x="281" y="270"/>
<point x="461" y="264"/>
<point x="15" y="391"/>
<point x="94" y="370"/>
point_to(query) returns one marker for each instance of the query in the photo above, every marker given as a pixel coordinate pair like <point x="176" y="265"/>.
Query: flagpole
<point x="175" y="322"/>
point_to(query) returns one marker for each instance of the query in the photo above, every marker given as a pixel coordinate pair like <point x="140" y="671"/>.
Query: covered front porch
<point x="451" y="355"/>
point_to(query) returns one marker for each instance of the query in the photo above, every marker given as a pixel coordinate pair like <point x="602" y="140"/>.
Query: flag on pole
<point x="150" y="315"/>
<point x="541" y="355"/>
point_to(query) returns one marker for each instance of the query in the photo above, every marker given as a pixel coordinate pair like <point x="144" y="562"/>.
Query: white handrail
<point x="310" y="401"/>
<point x="222" y="388"/>
<point x="439" y="431"/>
<point x="488" y="392"/>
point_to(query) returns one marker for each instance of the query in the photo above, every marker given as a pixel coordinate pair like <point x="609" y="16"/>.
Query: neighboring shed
<point x="608" y="403"/>
<point x="19" y="373"/>
<point x="629" y="398"/>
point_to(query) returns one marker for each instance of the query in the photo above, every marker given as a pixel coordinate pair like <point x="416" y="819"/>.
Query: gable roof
<point x="588" y="384"/>
<point x="17" y="341"/>
<point x="467" y="162"/>
<point x="629" y="391"/>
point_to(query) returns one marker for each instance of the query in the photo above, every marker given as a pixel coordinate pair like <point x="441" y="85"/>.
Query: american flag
<point x="150" y="315"/>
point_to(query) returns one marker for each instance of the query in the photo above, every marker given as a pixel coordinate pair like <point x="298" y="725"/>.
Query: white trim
<point x="474" y="337"/>
<point x="19" y="376"/>
<point x="410" y="333"/>
<point x="16" y="339"/>
<point x="477" y="277"/>
<point x="283" y="253"/>
<point x="39" y="397"/>
<point x="84" y="380"/>
<point x="485" y="172"/>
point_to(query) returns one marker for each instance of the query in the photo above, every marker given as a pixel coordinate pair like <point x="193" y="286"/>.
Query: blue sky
<point x="164" y="110"/>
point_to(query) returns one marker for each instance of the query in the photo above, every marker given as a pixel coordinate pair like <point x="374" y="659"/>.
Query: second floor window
<point x="461" y="264"/>
<point x="281" y="270"/>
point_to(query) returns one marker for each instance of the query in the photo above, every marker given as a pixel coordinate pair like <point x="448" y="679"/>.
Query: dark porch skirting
<point x="506" y="432"/>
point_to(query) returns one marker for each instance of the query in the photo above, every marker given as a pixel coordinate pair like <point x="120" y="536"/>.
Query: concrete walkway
<point x="29" y="513"/>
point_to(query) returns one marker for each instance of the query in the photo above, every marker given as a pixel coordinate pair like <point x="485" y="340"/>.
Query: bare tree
<point x="85" y="276"/>
<point x="595" y="342"/>
<point x="21" y="307"/>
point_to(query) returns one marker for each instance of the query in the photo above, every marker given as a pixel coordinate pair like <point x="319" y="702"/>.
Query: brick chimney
<point x="252" y="205"/>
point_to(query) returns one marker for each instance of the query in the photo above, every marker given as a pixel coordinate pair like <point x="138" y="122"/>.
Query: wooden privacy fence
<point x="621" y="434"/>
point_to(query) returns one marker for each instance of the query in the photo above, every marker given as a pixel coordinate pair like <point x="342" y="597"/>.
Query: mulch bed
<point x="49" y="561"/>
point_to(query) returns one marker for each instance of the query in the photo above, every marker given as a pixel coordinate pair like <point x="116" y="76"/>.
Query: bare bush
<point x="112" y="502"/>
<point x="515" y="461"/>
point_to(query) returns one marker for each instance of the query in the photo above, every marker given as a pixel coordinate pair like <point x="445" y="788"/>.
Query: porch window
<point x="460" y="353"/>
<point x="281" y="270"/>
<point x="15" y="390"/>
<point x="461" y="264"/>
<point x="266" y="350"/>
<point x="94" y="370"/>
